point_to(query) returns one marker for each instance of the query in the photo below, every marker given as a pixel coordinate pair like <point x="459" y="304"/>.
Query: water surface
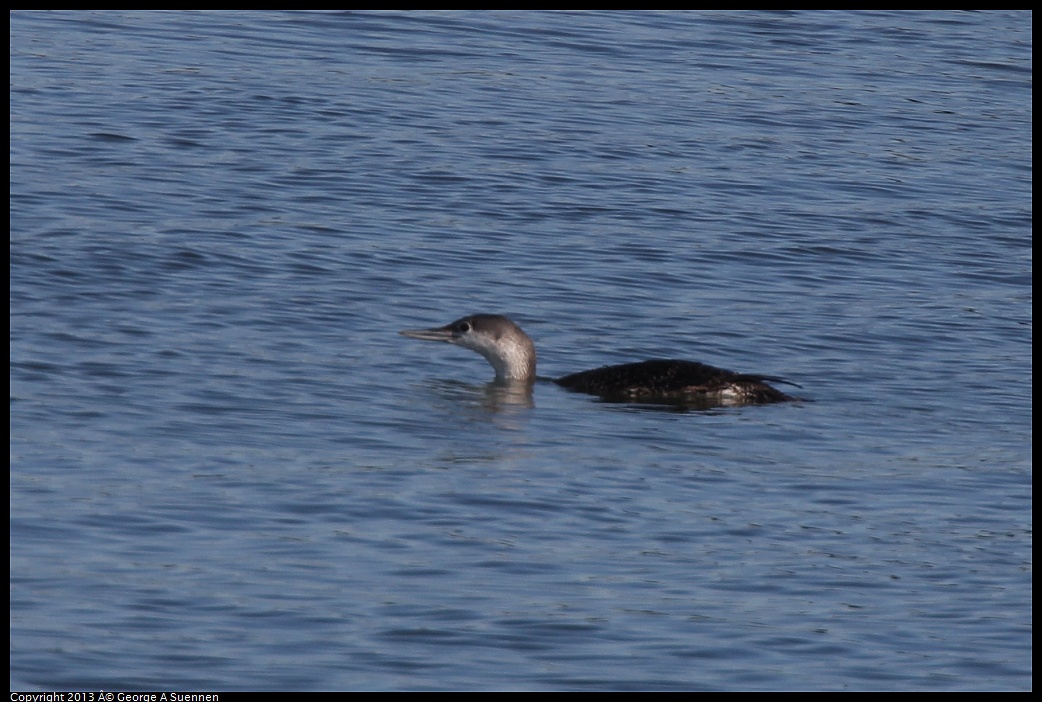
<point x="228" y="471"/>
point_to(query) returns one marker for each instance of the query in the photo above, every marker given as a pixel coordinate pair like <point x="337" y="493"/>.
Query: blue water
<point x="228" y="471"/>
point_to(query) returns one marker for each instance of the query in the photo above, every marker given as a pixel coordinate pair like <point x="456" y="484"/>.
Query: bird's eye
<point x="463" y="327"/>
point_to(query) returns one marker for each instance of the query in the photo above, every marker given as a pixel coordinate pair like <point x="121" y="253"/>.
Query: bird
<point x="512" y="354"/>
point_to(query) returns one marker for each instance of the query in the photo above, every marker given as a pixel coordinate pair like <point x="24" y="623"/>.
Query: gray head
<point x="494" y="336"/>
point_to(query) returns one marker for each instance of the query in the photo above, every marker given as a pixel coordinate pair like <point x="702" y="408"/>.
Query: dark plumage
<point x="672" y="380"/>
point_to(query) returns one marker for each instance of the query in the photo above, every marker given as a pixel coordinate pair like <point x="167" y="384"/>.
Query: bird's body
<point x="673" y="381"/>
<point x="512" y="354"/>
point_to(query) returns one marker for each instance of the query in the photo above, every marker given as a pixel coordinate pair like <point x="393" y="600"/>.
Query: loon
<point x="512" y="354"/>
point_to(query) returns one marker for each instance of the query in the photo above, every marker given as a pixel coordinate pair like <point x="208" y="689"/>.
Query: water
<point x="228" y="471"/>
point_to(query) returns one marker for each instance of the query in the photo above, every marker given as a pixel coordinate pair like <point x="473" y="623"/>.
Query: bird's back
<point x="672" y="381"/>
